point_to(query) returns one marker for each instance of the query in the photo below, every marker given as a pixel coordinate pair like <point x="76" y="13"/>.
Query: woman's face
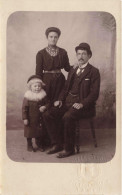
<point x="52" y="38"/>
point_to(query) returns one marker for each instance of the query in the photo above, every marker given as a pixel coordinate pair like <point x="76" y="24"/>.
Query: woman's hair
<point x="52" y="29"/>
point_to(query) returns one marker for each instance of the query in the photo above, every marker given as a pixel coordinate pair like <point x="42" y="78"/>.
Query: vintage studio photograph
<point x="61" y="87"/>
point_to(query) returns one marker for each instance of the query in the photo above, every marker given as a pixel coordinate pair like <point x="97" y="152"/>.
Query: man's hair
<point x="89" y="52"/>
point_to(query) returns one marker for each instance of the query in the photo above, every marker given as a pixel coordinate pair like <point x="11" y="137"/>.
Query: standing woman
<point x="49" y="62"/>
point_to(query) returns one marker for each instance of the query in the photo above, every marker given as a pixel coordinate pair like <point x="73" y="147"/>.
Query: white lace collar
<point x="29" y="95"/>
<point x="52" y="52"/>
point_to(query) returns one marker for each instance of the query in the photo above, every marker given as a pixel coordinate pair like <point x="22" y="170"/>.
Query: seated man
<point x="77" y="100"/>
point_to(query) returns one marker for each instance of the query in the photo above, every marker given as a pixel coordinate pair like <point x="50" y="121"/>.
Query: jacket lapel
<point x="86" y="71"/>
<point x="73" y="72"/>
<point x="70" y="77"/>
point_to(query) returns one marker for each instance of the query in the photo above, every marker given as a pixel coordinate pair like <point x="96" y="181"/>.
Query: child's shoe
<point x="30" y="148"/>
<point x="41" y="149"/>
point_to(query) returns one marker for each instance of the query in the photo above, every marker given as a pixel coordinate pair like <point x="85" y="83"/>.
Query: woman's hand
<point x="77" y="106"/>
<point x="75" y="65"/>
<point x="42" y="108"/>
<point x="26" y="122"/>
<point x="58" y="103"/>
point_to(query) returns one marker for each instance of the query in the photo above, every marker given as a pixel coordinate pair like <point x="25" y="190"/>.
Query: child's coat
<point x="30" y="111"/>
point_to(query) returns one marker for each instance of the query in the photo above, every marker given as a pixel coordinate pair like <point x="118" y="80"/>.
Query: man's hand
<point x="77" y="106"/>
<point x="58" y="103"/>
<point x="42" y="108"/>
<point x="26" y="122"/>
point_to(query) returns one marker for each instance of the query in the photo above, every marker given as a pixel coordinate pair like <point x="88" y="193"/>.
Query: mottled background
<point x="26" y="36"/>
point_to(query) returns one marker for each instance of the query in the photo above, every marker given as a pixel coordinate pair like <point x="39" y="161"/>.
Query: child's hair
<point x="34" y="79"/>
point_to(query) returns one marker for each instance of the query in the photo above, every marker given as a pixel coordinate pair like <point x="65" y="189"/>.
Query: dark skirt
<point x="54" y="84"/>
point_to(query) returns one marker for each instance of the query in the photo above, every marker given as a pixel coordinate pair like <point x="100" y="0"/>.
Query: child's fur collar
<point x="29" y="95"/>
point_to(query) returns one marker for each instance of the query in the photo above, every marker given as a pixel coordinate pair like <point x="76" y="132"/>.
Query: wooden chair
<point x="77" y="133"/>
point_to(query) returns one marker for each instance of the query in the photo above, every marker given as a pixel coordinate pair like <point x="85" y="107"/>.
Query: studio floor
<point x="106" y="139"/>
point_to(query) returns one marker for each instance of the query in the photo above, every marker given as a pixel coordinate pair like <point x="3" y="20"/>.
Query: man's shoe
<point x="65" y="154"/>
<point x="55" y="149"/>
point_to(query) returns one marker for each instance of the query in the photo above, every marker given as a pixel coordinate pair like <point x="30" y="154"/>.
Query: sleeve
<point x="94" y="90"/>
<point x="45" y="102"/>
<point x="66" y="62"/>
<point x="39" y="64"/>
<point x="25" y="109"/>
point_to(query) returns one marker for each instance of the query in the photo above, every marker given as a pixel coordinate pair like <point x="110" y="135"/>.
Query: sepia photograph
<point x="61" y="87"/>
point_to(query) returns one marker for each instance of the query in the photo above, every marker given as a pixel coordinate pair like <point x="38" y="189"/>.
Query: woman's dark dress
<point x="54" y="81"/>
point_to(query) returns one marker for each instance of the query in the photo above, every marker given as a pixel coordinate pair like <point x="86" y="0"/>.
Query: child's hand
<point x="26" y="122"/>
<point x="42" y="108"/>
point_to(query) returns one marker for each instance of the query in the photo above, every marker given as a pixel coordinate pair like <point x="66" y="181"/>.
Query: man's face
<point x="82" y="56"/>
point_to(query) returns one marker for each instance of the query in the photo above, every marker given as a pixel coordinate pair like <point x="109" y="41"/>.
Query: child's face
<point x="36" y="87"/>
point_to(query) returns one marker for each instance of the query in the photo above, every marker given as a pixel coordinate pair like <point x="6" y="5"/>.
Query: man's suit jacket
<point x="88" y="90"/>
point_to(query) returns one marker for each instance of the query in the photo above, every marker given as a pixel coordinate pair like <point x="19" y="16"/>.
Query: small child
<point x="34" y="104"/>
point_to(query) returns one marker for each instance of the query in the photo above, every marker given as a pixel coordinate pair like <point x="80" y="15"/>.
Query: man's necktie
<point x="80" y="71"/>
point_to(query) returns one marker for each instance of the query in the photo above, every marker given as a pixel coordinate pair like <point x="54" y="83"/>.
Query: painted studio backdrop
<point x="26" y="36"/>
